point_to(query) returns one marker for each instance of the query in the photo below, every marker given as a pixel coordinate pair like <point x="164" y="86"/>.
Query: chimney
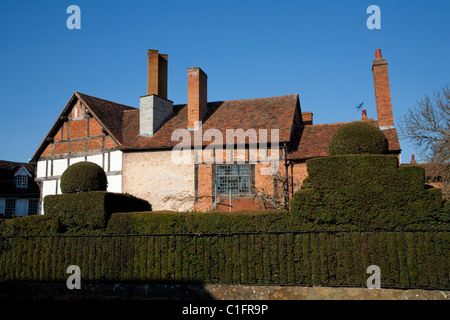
<point x="155" y="109"/>
<point x="197" y="96"/>
<point x="157" y="73"/>
<point x="364" y="115"/>
<point x="307" y="117"/>
<point x="413" y="160"/>
<point x="382" y="91"/>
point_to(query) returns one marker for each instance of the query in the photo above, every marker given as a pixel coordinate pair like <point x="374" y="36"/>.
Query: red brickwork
<point x="157" y="73"/>
<point x="382" y="91"/>
<point x="79" y="134"/>
<point x="197" y="96"/>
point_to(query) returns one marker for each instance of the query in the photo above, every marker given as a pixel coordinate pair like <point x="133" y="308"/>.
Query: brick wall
<point x="79" y="133"/>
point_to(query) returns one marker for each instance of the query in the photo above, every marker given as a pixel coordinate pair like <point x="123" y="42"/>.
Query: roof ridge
<point x="274" y="97"/>
<point x="337" y="123"/>
<point x="87" y="95"/>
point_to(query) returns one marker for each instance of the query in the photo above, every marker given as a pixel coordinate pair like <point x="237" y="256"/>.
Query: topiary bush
<point x="91" y="210"/>
<point x="369" y="191"/>
<point x="358" y="138"/>
<point x="83" y="177"/>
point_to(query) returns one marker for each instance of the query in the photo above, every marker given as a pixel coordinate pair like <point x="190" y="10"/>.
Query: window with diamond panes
<point x="233" y="178"/>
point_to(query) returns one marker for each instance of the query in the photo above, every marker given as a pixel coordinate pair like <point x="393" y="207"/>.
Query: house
<point x="19" y="193"/>
<point x="200" y="155"/>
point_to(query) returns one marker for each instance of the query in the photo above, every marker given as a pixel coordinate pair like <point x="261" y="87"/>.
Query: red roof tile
<point x="264" y="113"/>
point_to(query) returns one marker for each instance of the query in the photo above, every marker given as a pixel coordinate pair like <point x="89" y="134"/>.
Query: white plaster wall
<point x="76" y="160"/>
<point x="116" y="161"/>
<point x="59" y="166"/>
<point x="153" y="176"/>
<point x="48" y="187"/>
<point x="98" y="159"/>
<point x="41" y="169"/>
<point x="115" y="183"/>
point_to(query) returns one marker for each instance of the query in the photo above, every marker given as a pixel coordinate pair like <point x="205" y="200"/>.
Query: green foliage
<point x="91" y="210"/>
<point x="358" y="138"/>
<point x="367" y="191"/>
<point x="159" y="222"/>
<point x="30" y="225"/>
<point x="83" y="177"/>
<point x="407" y="259"/>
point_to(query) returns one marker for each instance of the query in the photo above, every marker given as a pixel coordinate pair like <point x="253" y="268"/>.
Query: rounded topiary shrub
<point x="83" y="177"/>
<point x="358" y="138"/>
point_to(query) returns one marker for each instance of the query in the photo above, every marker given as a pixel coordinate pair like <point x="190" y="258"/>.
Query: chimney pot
<point x="378" y="54"/>
<point x="364" y="115"/>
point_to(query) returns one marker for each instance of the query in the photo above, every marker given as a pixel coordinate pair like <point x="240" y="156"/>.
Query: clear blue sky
<point x="249" y="49"/>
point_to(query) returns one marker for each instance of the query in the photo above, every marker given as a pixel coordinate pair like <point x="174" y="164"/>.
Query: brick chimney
<point x="197" y="96"/>
<point x="157" y="73"/>
<point x="382" y="91"/>
<point x="307" y="117"/>
<point x="155" y="109"/>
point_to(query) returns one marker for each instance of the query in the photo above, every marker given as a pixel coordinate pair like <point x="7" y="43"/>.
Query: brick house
<point x="135" y="145"/>
<point x="19" y="193"/>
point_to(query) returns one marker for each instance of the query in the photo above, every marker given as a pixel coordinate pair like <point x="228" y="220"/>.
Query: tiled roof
<point x="307" y="141"/>
<point x="263" y="113"/>
<point x="109" y="113"/>
<point x="312" y="140"/>
<point x="7" y="183"/>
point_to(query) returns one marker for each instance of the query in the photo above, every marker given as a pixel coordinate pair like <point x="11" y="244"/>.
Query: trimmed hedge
<point x="368" y="191"/>
<point x="358" y="138"/>
<point x="191" y="222"/>
<point x="83" y="176"/>
<point x="91" y="210"/>
<point x="30" y="225"/>
<point x="406" y="259"/>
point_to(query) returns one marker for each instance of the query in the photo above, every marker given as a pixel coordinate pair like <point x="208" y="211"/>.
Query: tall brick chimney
<point x="382" y="91"/>
<point x="197" y="96"/>
<point x="155" y="109"/>
<point x="157" y="73"/>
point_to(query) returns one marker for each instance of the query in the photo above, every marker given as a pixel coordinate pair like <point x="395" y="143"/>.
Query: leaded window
<point x="233" y="178"/>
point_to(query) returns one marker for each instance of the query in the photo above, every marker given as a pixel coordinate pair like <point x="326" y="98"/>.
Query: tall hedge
<point x="161" y="222"/>
<point x="369" y="191"/>
<point x="91" y="209"/>
<point x="406" y="259"/>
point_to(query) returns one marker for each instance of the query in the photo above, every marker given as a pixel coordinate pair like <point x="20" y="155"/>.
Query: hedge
<point x="368" y="191"/>
<point x="31" y="225"/>
<point x="406" y="259"/>
<point x="358" y="138"/>
<point x="83" y="177"/>
<point x="192" y="222"/>
<point x="91" y="210"/>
